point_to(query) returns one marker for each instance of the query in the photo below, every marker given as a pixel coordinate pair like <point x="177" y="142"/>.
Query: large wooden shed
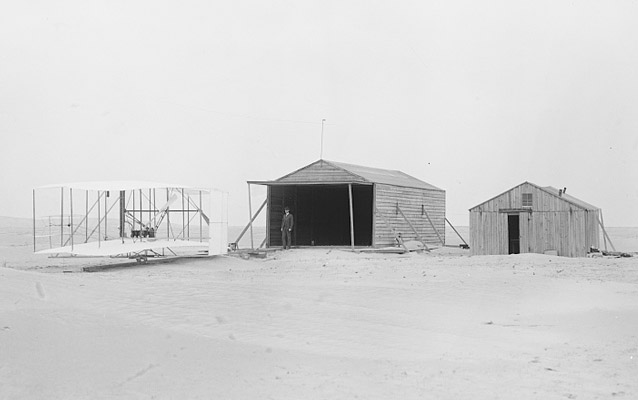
<point x="534" y="219"/>
<point x="338" y="204"/>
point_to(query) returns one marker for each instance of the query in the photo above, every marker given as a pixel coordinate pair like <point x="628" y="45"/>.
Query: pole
<point x="200" y="215"/>
<point x="86" y="216"/>
<point x="351" y="216"/>
<point x="34" y="220"/>
<point x="168" y="217"/>
<point x="183" y="223"/>
<point x="141" y="211"/>
<point x="154" y="210"/>
<point x="321" y="152"/>
<point x="150" y="204"/>
<point x="71" y="209"/>
<point x="99" y="221"/>
<point x="106" y="212"/>
<point x="62" y="217"/>
<point x="122" y="214"/>
<point x="250" y="214"/>
<point x="133" y="209"/>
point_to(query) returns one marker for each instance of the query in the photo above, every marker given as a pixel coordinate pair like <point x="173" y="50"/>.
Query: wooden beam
<point x="432" y="225"/>
<point x="374" y="216"/>
<point x="34" y="247"/>
<point x="268" y="200"/>
<point x="71" y="215"/>
<point x="62" y="217"/>
<point x="412" y="227"/>
<point x="387" y="223"/>
<point x="251" y="221"/>
<point x="250" y="212"/>
<point x="455" y="231"/>
<point x="351" y="216"/>
<point x="605" y="235"/>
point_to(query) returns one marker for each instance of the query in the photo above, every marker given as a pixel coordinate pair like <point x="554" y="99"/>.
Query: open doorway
<point x="514" y="234"/>
<point x="322" y="214"/>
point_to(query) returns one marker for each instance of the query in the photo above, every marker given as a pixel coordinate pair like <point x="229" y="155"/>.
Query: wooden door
<point x="514" y="233"/>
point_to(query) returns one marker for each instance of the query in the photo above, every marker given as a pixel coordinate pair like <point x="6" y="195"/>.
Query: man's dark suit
<point x="286" y="229"/>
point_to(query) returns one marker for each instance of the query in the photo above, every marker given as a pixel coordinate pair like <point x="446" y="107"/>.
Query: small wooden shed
<point x="534" y="219"/>
<point x="338" y="204"/>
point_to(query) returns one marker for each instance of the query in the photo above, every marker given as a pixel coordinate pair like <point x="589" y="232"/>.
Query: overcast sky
<point x="474" y="97"/>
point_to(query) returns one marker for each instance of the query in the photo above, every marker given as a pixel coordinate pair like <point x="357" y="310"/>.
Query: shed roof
<point x="359" y="174"/>
<point x="569" y="198"/>
<point x="551" y="190"/>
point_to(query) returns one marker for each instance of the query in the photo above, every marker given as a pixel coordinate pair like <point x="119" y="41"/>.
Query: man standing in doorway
<point x="286" y="228"/>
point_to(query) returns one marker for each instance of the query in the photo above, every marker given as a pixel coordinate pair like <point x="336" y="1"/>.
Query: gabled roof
<point x="550" y="190"/>
<point x="569" y="198"/>
<point x="384" y="176"/>
<point x="361" y="174"/>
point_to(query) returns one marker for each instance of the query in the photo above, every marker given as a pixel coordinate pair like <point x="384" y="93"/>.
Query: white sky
<point x="473" y="97"/>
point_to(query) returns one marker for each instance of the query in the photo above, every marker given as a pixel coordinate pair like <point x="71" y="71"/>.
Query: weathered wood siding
<point x="321" y="173"/>
<point x="552" y="223"/>
<point x="411" y="201"/>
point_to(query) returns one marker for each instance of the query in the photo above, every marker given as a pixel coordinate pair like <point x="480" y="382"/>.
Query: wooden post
<point x="99" y="222"/>
<point x="71" y="213"/>
<point x="168" y="216"/>
<point x="132" y="209"/>
<point x="151" y="208"/>
<point x="188" y="217"/>
<point x="250" y="223"/>
<point x="122" y="214"/>
<point x="183" y="222"/>
<point x="374" y="215"/>
<point x="61" y="217"/>
<point x="106" y="213"/>
<point x="155" y="210"/>
<point x="351" y="216"/>
<point x="34" y="220"/>
<point x="268" y="194"/>
<point x="86" y="216"/>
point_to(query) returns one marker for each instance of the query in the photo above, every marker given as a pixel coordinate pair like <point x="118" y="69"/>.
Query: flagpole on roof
<point x="321" y="152"/>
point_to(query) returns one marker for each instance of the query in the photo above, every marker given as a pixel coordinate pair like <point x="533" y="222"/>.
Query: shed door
<point x="514" y="234"/>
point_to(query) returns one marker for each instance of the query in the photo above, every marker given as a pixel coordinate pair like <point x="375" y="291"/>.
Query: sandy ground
<point x="325" y="324"/>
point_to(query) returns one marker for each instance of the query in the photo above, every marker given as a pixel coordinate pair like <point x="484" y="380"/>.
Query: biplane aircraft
<point x="128" y="219"/>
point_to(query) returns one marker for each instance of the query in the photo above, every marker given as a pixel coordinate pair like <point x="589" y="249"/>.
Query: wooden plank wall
<point x="321" y="172"/>
<point x="410" y="201"/>
<point x="552" y="224"/>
